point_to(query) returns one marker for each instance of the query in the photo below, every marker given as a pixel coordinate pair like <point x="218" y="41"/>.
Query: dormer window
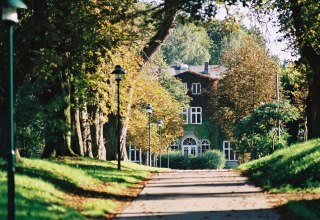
<point x="196" y="88"/>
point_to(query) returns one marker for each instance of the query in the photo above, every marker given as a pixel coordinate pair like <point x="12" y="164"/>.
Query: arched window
<point x="189" y="141"/>
<point x="205" y="145"/>
<point x="175" y="145"/>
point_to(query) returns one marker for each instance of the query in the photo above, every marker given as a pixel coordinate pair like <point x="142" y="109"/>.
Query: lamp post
<point x="118" y="72"/>
<point x="10" y="16"/>
<point x="149" y="109"/>
<point x="160" y="124"/>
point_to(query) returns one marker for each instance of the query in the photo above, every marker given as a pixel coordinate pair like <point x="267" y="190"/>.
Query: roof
<point x="197" y="74"/>
<point x="214" y="71"/>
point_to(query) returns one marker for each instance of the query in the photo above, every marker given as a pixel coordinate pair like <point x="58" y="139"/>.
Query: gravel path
<point x="205" y="194"/>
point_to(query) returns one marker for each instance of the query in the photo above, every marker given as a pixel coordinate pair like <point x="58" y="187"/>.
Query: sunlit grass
<point x="295" y="169"/>
<point x="70" y="188"/>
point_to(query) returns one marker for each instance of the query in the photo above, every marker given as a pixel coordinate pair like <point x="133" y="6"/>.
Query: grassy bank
<point x="294" y="170"/>
<point x="71" y="188"/>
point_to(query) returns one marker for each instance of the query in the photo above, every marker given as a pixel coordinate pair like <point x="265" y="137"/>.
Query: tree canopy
<point x="248" y="81"/>
<point x="187" y="44"/>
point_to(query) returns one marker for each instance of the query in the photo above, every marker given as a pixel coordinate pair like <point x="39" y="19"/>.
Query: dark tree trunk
<point x="110" y="134"/>
<point x="58" y="122"/>
<point x="77" y="134"/>
<point x="92" y="116"/>
<point x="168" y="22"/>
<point x="307" y="51"/>
<point x="96" y="130"/>
<point x="313" y="106"/>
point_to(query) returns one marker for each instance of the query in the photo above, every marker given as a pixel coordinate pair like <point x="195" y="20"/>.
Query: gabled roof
<point x="213" y="71"/>
<point x="198" y="74"/>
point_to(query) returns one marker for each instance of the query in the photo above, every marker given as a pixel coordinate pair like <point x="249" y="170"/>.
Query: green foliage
<point x="295" y="86"/>
<point x="257" y="133"/>
<point x="176" y="161"/>
<point x="175" y="87"/>
<point x="295" y="168"/>
<point x="42" y="187"/>
<point x="29" y="124"/>
<point x="304" y="209"/>
<point x="219" y="33"/>
<point x="187" y="44"/>
<point x="248" y="81"/>
<point x="212" y="159"/>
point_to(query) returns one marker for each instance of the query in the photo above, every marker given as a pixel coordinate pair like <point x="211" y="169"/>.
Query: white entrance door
<point x="189" y="147"/>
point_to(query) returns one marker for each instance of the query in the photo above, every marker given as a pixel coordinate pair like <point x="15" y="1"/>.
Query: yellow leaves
<point x="249" y="82"/>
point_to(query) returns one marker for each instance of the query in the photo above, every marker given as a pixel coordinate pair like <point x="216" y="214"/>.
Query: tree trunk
<point x="96" y="128"/>
<point x="92" y="118"/>
<point x="110" y="134"/>
<point x="58" y="123"/>
<point x="307" y="51"/>
<point x="102" y="153"/>
<point x="86" y="134"/>
<point x="78" y="132"/>
<point x="313" y="108"/>
<point x="168" y="22"/>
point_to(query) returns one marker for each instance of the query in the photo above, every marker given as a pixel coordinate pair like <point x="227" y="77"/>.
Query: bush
<point x="176" y="161"/>
<point x="212" y="159"/>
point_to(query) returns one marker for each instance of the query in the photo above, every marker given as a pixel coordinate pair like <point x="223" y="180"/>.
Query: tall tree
<point x="295" y="89"/>
<point x="299" y="20"/>
<point x="248" y="81"/>
<point x="187" y="44"/>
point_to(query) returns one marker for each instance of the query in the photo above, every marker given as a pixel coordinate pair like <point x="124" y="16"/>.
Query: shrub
<point x="176" y="161"/>
<point x="212" y="159"/>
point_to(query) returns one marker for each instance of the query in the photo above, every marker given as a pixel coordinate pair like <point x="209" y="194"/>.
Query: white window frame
<point x="185" y="113"/>
<point x="196" y="88"/>
<point x="226" y="150"/>
<point x="196" y="113"/>
<point x="205" y="143"/>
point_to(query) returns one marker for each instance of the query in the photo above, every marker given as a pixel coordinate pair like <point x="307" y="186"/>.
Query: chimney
<point x="206" y="68"/>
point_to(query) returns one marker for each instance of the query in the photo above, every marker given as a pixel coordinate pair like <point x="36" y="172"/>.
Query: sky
<point x="269" y="27"/>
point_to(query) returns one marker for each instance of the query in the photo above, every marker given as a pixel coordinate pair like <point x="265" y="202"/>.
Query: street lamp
<point x="10" y="16"/>
<point x="118" y="72"/>
<point x="160" y="124"/>
<point x="149" y="109"/>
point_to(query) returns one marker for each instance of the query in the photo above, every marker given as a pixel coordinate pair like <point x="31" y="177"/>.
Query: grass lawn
<point x="294" y="171"/>
<point x="71" y="188"/>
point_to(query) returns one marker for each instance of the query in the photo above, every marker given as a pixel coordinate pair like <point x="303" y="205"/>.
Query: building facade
<point x="201" y="132"/>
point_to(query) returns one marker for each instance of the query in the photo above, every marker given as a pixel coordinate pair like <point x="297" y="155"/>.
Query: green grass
<point x="295" y="169"/>
<point x="46" y="189"/>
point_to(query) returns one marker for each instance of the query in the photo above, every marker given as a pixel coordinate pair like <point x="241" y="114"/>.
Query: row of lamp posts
<point x="10" y="17"/>
<point x="119" y="73"/>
